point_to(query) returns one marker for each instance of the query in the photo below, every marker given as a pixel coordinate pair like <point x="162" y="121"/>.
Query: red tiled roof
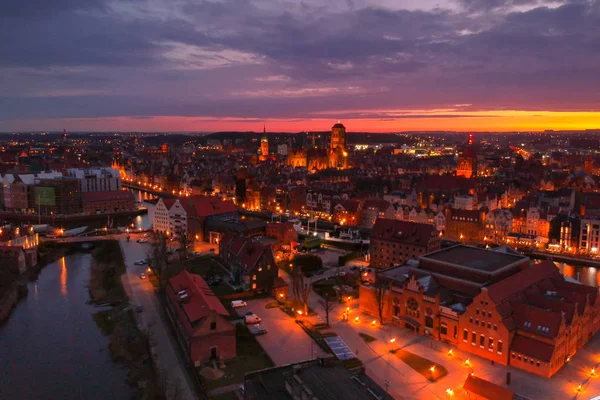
<point x="201" y="301"/>
<point x="378" y="204"/>
<point x="535" y="320"/>
<point x="486" y="389"/>
<point x="403" y="231"/>
<point x="247" y="250"/>
<point x="520" y="281"/>
<point x="350" y="205"/>
<point x="89" y="197"/>
<point x="168" y="202"/>
<point x="205" y="206"/>
<point x="533" y="348"/>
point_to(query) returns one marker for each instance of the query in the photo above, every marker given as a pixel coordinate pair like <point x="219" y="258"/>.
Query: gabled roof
<point x="378" y="204"/>
<point x="200" y="303"/>
<point x="404" y="231"/>
<point x="503" y="290"/>
<point x="533" y="348"/>
<point x="204" y="206"/>
<point x="536" y="320"/>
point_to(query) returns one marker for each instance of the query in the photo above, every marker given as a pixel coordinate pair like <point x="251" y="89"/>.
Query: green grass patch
<point x="250" y="357"/>
<point x="422" y="365"/>
<point x="367" y="338"/>
<point x="272" y="304"/>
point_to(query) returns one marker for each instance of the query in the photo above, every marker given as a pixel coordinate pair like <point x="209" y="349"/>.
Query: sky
<point x="292" y="65"/>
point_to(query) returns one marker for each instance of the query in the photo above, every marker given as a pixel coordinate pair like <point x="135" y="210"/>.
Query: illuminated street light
<point x="432" y="369"/>
<point x="356" y="319"/>
<point x="374" y="322"/>
<point x="450" y="392"/>
<point x="467" y="362"/>
<point x="450" y="353"/>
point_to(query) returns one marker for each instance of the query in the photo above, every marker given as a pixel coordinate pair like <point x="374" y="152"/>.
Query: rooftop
<point x="474" y="258"/>
<point x="324" y="379"/>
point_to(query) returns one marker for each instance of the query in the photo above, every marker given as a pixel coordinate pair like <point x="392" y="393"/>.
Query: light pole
<point x="392" y="341"/>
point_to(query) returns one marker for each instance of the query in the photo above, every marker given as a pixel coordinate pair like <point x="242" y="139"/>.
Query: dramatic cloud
<point x="242" y="60"/>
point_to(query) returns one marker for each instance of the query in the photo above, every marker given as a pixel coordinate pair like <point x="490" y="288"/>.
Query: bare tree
<point x="300" y="288"/>
<point x="379" y="291"/>
<point x="159" y="255"/>
<point x="185" y="241"/>
<point x="328" y="304"/>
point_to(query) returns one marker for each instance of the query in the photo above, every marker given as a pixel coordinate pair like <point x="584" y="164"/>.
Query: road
<point x="165" y="347"/>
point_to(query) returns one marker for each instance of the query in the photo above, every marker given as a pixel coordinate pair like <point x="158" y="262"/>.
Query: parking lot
<point x="285" y="341"/>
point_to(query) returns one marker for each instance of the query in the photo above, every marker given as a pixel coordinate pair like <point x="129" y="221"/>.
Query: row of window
<point x="525" y="359"/>
<point x="482" y="341"/>
<point x="489" y="325"/>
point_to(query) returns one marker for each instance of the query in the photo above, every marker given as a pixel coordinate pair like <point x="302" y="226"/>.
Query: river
<point x="51" y="348"/>
<point x="585" y="275"/>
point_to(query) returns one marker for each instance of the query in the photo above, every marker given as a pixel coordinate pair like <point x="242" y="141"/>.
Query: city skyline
<point x="377" y="65"/>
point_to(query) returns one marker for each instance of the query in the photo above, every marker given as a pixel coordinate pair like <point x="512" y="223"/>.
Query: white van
<point x="238" y="303"/>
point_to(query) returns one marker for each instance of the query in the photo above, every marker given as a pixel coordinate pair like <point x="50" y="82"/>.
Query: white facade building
<point x="589" y="235"/>
<point x="465" y="202"/>
<point x="97" y="179"/>
<point x="177" y="218"/>
<point x="160" y="216"/>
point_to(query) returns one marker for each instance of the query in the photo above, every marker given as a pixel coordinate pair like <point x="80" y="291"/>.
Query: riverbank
<point x="13" y="287"/>
<point x="127" y="343"/>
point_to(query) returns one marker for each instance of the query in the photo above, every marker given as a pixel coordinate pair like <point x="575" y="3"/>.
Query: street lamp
<point x="392" y="341"/>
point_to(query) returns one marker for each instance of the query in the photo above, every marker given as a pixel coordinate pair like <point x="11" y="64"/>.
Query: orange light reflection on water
<point x="63" y="277"/>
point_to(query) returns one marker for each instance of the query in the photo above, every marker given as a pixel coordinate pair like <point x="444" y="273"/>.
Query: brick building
<point x="201" y="321"/>
<point x="467" y="225"/>
<point x="59" y="196"/>
<point x="106" y="202"/>
<point x="347" y="212"/>
<point x="491" y="303"/>
<point x="395" y="242"/>
<point x="284" y="232"/>
<point x="251" y="263"/>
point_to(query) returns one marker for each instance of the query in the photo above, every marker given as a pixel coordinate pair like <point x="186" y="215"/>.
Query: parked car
<point x="252" y="319"/>
<point x="142" y="276"/>
<point x="320" y="272"/>
<point x="197" y="253"/>
<point x="146" y="235"/>
<point x="340" y="273"/>
<point x="238" y="303"/>
<point x="142" y="240"/>
<point x="248" y="313"/>
<point x="140" y="262"/>
<point x="258" y="330"/>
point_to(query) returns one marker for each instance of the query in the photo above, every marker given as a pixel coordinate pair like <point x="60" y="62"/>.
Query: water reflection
<point x="63" y="277"/>
<point x="585" y="275"/>
<point x="52" y="349"/>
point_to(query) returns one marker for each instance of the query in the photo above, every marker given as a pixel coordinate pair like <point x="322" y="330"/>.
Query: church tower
<point x="467" y="164"/>
<point x="264" y="143"/>
<point x="338" y="137"/>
